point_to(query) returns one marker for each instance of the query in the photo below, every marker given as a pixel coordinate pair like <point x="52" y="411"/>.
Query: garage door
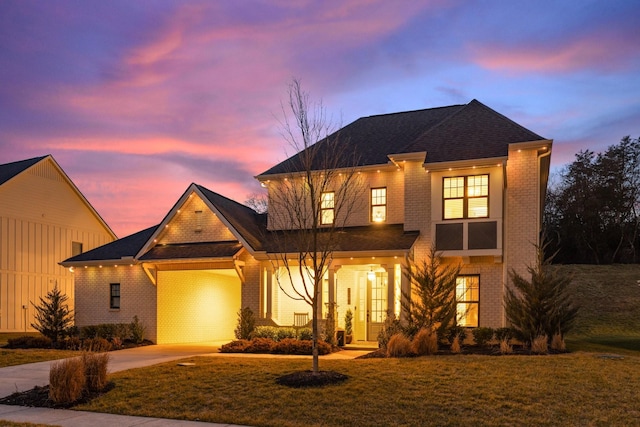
<point x="197" y="305"/>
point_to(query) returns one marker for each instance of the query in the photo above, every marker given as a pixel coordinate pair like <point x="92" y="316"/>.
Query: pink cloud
<point x="603" y="50"/>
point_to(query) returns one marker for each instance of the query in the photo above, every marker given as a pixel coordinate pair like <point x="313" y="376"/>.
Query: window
<point x="467" y="299"/>
<point x="466" y="197"/>
<point x="114" y="299"/>
<point x="378" y="204"/>
<point x="327" y="204"/>
<point x="76" y="248"/>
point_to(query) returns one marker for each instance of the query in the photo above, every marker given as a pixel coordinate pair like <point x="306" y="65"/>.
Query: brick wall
<point x="137" y="297"/>
<point x="187" y="226"/>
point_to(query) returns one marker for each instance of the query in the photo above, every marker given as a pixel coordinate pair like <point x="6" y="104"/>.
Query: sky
<point x="138" y="99"/>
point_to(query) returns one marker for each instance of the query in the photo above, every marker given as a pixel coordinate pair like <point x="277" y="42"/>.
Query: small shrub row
<point x="116" y="332"/>
<point x="29" y="341"/>
<point x="278" y="333"/>
<point x="268" y="345"/>
<point x="70" y="379"/>
<point x="425" y="342"/>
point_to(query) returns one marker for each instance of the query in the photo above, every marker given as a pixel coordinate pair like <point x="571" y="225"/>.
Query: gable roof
<point x="9" y="170"/>
<point x="456" y="132"/>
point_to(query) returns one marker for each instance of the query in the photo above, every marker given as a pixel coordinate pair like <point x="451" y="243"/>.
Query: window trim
<point x="465" y="197"/>
<point x="373" y="205"/>
<point x="469" y="302"/>
<point x="324" y="209"/>
<point x="113" y="296"/>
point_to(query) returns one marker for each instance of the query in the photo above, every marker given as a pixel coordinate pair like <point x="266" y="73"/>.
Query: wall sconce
<point x="371" y="275"/>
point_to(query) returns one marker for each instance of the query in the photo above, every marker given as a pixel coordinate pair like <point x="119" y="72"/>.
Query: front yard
<point x="571" y="389"/>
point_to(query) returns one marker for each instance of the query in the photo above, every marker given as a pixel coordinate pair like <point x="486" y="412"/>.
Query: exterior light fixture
<point x="371" y="275"/>
<point x="71" y="269"/>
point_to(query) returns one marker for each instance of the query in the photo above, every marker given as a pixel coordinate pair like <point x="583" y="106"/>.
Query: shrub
<point x="482" y="335"/>
<point x="541" y="305"/>
<point x="425" y="343"/>
<point x="53" y="316"/>
<point x="137" y="330"/>
<point x="348" y="322"/>
<point x="66" y="381"/>
<point x="391" y="327"/>
<point x="71" y="343"/>
<point x="29" y="341"/>
<point x="505" y="347"/>
<point x="431" y="302"/>
<point x="557" y="343"/>
<point x="95" y="370"/>
<point x="456" y="331"/>
<point x="89" y="331"/>
<point x="504" y="334"/>
<point x="398" y="346"/>
<point x="270" y="332"/>
<point x="455" y="345"/>
<point x="329" y="332"/>
<point x="285" y="333"/>
<point x="260" y="345"/>
<point x="246" y="323"/>
<point x="237" y="346"/>
<point x="305" y="334"/>
<point x="539" y="345"/>
<point x="96" y="344"/>
<point x="291" y="346"/>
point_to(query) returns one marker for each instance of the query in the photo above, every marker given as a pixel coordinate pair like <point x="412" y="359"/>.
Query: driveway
<point x="26" y="377"/>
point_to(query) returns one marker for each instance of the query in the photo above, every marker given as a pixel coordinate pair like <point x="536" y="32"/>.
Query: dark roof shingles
<point x="193" y="251"/>
<point x="9" y="170"/>
<point x="126" y="247"/>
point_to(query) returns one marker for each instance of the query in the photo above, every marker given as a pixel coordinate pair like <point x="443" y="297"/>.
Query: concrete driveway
<point x="26" y="377"/>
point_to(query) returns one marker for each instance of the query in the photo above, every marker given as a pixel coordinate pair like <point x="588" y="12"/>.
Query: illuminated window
<point x="327" y="205"/>
<point x="466" y="197"/>
<point x="114" y="297"/>
<point x="378" y="204"/>
<point x="467" y="300"/>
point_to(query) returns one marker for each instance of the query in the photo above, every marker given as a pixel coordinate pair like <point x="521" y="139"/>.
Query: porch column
<point x="391" y="292"/>
<point x="269" y="291"/>
<point x="405" y="285"/>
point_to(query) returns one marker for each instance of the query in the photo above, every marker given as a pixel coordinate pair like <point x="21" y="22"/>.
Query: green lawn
<point x="572" y="389"/>
<point x="12" y="357"/>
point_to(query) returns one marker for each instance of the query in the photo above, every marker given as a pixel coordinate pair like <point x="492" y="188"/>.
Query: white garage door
<point x="197" y="305"/>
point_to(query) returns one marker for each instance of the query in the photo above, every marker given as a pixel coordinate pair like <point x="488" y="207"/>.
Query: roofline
<point x="465" y="164"/>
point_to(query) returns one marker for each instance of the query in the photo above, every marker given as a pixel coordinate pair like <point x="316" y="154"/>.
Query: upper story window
<point x="466" y="197"/>
<point x="327" y="205"/>
<point x="76" y="248"/>
<point x="379" y="204"/>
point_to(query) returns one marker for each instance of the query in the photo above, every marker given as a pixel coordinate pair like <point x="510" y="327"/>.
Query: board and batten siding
<point x="41" y="215"/>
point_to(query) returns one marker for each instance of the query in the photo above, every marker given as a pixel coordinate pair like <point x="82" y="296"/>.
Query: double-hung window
<point x="465" y="197"/>
<point x="467" y="300"/>
<point x="327" y="206"/>
<point x="378" y="204"/>
<point x="114" y="296"/>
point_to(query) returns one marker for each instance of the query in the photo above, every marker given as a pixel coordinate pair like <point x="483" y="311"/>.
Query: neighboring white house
<point x="463" y="178"/>
<point x="44" y="219"/>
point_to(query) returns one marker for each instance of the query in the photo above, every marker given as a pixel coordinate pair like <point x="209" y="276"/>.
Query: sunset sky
<point x="137" y="99"/>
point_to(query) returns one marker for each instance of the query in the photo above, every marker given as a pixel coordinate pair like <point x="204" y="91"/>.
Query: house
<point x="463" y="178"/>
<point x="44" y="218"/>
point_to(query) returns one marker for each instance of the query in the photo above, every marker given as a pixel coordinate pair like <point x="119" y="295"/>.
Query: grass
<point x="609" y="300"/>
<point x="12" y="357"/>
<point x="572" y="389"/>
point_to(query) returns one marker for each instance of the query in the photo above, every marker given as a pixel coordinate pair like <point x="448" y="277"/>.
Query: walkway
<point x="26" y="377"/>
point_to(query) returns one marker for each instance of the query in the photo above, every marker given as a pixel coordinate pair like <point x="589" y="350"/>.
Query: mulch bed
<point x="39" y="397"/>
<point x="302" y="379"/>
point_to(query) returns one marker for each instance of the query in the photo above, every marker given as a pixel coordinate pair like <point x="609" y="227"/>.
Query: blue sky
<point x="136" y="100"/>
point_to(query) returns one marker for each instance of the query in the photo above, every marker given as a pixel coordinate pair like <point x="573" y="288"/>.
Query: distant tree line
<point x="592" y="208"/>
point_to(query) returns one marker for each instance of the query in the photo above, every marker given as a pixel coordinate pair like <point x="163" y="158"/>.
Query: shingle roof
<point x="250" y="224"/>
<point x="456" y="132"/>
<point x="193" y="251"/>
<point x="368" y="238"/>
<point x="9" y="170"/>
<point x="125" y="247"/>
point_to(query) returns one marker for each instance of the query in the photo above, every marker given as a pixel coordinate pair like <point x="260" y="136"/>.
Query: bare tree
<point x="257" y="202"/>
<point x="310" y="203"/>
